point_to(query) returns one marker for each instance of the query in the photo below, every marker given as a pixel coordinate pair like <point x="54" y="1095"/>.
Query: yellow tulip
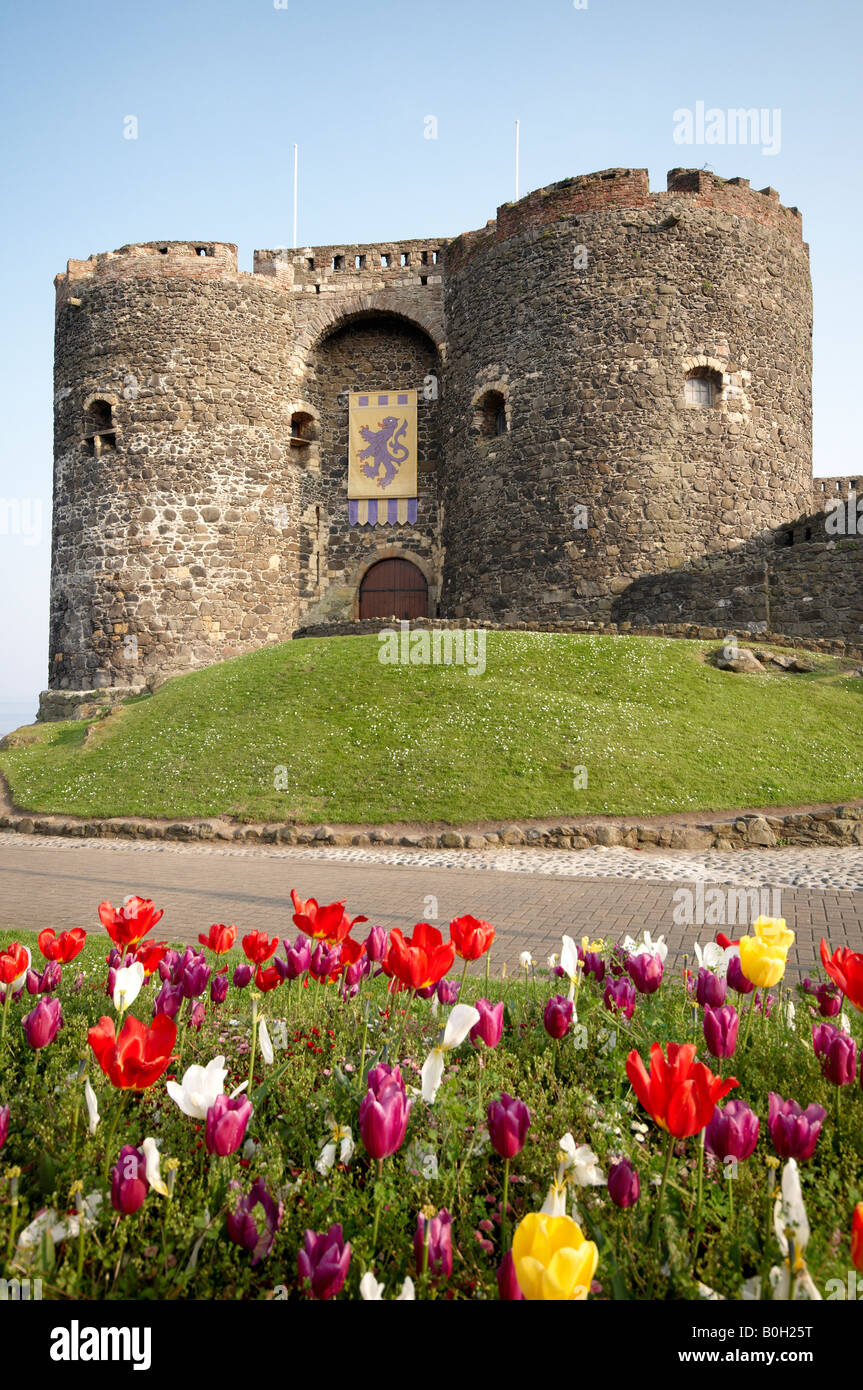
<point x="762" y="964"/>
<point x="773" y="932"/>
<point x="553" y="1261"/>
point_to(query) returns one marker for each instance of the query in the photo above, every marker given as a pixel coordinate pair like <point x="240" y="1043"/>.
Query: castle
<point x="614" y="424"/>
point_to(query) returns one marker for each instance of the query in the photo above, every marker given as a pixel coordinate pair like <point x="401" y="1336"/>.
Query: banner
<point x="382" y="448"/>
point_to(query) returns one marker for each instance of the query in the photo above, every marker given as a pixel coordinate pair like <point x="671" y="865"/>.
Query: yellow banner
<point x="382" y="452"/>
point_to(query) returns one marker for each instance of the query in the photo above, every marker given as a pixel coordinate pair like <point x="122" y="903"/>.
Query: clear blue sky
<point x="222" y="88"/>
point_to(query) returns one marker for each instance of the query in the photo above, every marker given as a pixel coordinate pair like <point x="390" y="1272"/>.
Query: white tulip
<point x="646" y="946"/>
<point x="792" y="1231"/>
<point x="343" y="1139"/>
<point x="152" y="1170"/>
<point x="199" y="1089"/>
<point x="525" y="960"/>
<point x="92" y="1106"/>
<point x="555" y="1202"/>
<point x="17" y="983"/>
<point x="128" y="983"/>
<point x="462" y="1018"/>
<point x="266" y="1046"/>
<point x="569" y="963"/>
<point x="373" y="1292"/>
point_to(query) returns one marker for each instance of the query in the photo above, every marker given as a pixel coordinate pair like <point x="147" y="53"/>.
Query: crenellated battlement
<point x="825" y="490"/>
<point x="376" y="266"/>
<point x="195" y="259"/>
<point x="629" y="189"/>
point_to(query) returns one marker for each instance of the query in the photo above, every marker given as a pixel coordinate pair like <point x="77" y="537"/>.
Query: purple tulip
<point x="77" y="983"/>
<point x="325" y="960"/>
<point x="558" y="1016"/>
<point x="619" y="996"/>
<point x="508" y="1287"/>
<point x="436" y="1232"/>
<point x="732" y="1131"/>
<point x="195" y="976"/>
<point x="219" y="989"/>
<point x="197" y="1016"/>
<point x="490" y="1026"/>
<point x="594" y="965"/>
<point x="426" y="991"/>
<point x="837" y="1053"/>
<point x="376" y="944"/>
<point x="50" y="979"/>
<point x="736" y="978"/>
<point x="129" y="1185"/>
<point x="298" y="956"/>
<point x="384" y="1114"/>
<point x="380" y="1076"/>
<point x="242" y="976"/>
<point x="448" y="991"/>
<point x="829" y="1000"/>
<point x="255" y="1220"/>
<point x="168" y="964"/>
<point x="43" y="1024"/>
<point x="4" y="1124"/>
<point x="169" y="1000"/>
<point x="508" y="1123"/>
<point x="323" y="1261"/>
<point x="227" y="1120"/>
<point x="353" y="974"/>
<point x="793" y="1130"/>
<point x="710" y="989"/>
<point x="645" y="971"/>
<point x="624" y="1184"/>
<point x="768" y="1003"/>
<point x="720" y="1030"/>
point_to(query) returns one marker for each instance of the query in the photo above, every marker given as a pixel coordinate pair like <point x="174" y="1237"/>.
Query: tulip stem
<point x="461" y="985"/>
<point x="504" y="1224"/>
<point x="654" y="1233"/>
<point x="699" y="1193"/>
<point x="365" y="1036"/>
<point x="749" y="1020"/>
<point x="254" y="1044"/>
<point x="838" y="1090"/>
<point x="404" y="1026"/>
<point x="7" y="996"/>
<point x="111" y="1132"/>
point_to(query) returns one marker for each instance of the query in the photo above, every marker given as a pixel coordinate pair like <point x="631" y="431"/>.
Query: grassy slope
<point x="656" y="728"/>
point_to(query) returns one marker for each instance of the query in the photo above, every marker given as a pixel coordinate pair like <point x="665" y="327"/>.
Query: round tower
<point x="628" y="388"/>
<point x="175" y="517"/>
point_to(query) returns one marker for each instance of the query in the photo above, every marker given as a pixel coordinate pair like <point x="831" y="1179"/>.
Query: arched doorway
<point x="394" y="588"/>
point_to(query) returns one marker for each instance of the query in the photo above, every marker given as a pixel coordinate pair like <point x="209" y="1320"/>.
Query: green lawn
<point x="348" y="739"/>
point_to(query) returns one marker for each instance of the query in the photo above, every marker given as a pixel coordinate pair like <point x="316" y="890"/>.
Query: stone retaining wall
<point x="833" y="828"/>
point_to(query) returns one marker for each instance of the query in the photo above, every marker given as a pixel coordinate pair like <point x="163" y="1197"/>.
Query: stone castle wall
<point x="210" y="525"/>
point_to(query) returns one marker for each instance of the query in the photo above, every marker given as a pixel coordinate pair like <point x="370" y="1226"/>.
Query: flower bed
<point x="359" y="1114"/>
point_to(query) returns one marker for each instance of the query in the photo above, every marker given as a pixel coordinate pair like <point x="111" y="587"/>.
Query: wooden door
<point x="394" y="588"/>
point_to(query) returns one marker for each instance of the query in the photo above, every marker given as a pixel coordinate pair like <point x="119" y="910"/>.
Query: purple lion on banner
<point x="385" y="449"/>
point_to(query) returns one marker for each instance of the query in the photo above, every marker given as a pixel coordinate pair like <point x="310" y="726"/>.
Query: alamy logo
<point x="738" y="126"/>
<point x="20" y="1290"/>
<point x="848" y="1289"/>
<point x="76" y="1343"/>
<point x="441" y="647"/>
<point x="21" y="517"/>
<point x="718" y="907"/>
<point x="845" y="517"/>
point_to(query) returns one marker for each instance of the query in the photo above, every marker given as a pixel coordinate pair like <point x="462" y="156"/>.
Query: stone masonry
<point x="565" y="471"/>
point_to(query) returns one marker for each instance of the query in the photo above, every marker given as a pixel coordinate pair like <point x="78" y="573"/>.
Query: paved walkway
<point x="532" y="897"/>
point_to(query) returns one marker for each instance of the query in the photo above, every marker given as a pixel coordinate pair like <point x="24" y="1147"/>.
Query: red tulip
<point x="151" y="954"/>
<point x="13" y="962"/>
<point x="131" y="923"/>
<point x="328" y="923"/>
<point x="857" y="1237"/>
<point x="680" y="1094"/>
<point x="219" y="939"/>
<point x="64" y="947"/>
<point x="845" y="969"/>
<point x="258" y="947"/>
<point x="267" y="979"/>
<point x="137" y="1056"/>
<point x="419" y="960"/>
<point x="472" y="937"/>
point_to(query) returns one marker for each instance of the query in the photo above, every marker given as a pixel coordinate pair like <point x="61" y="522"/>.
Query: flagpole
<point x="516" y="159"/>
<point x="296" y="164"/>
